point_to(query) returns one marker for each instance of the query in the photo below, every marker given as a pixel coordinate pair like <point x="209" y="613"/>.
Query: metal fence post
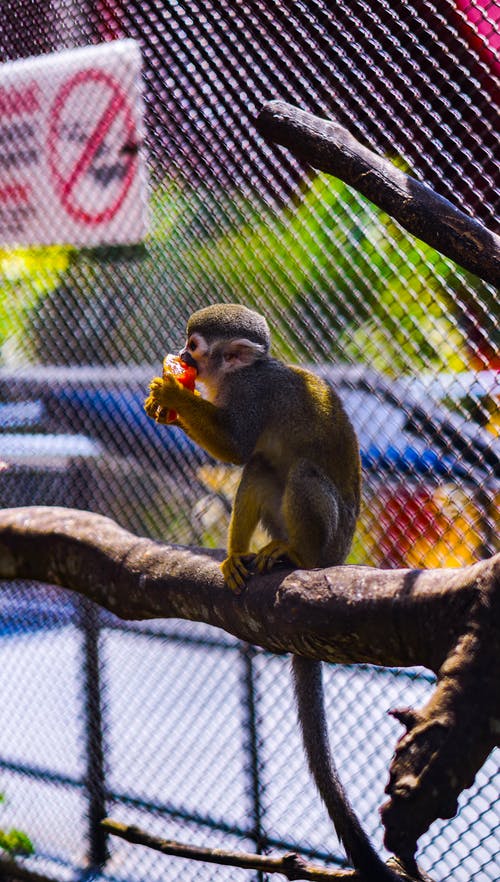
<point x="93" y="734"/>
<point x="253" y="764"/>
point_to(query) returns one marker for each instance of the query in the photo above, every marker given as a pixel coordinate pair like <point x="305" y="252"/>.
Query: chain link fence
<point x="172" y="725"/>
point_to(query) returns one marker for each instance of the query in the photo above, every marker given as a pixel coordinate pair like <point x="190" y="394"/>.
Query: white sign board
<point x="72" y="167"/>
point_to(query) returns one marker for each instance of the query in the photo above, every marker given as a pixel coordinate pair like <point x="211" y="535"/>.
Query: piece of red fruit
<point x="182" y="372"/>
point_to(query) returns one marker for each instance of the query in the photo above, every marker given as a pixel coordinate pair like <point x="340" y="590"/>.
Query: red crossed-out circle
<point x="66" y="183"/>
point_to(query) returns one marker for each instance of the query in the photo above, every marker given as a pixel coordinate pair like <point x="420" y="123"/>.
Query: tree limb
<point x="291" y="865"/>
<point x="329" y="147"/>
<point x="445" y="619"/>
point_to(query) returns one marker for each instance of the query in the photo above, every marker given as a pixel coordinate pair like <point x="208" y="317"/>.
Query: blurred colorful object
<point x="428" y="526"/>
<point x="481" y="28"/>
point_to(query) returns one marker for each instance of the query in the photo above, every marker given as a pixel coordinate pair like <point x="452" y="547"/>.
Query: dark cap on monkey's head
<point x="228" y="320"/>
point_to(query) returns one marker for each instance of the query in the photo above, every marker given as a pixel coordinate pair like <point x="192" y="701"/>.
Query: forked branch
<point x="447" y="620"/>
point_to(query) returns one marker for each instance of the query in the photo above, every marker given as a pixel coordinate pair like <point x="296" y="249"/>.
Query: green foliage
<point x="346" y="281"/>
<point x="15" y="842"/>
<point x="337" y="278"/>
<point x="26" y="275"/>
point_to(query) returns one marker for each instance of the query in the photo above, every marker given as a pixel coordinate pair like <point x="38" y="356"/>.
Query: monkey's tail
<point x="308" y="684"/>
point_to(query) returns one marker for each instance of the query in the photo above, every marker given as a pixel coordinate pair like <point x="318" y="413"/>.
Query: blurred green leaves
<point x="15" y="842"/>
<point x="343" y="277"/>
<point x="26" y="275"/>
<point x="337" y="278"/>
<point x="345" y="280"/>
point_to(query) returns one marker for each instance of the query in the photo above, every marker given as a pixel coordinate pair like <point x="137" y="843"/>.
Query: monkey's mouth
<point x="188" y="359"/>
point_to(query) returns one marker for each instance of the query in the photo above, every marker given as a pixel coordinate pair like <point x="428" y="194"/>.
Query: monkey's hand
<point x="164" y="396"/>
<point x="198" y="418"/>
<point x="155" y="410"/>
<point x="236" y="571"/>
<point x="272" y="553"/>
<point x="167" y="391"/>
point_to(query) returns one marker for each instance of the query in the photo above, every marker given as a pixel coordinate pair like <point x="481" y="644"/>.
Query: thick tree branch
<point x="340" y="614"/>
<point x="329" y="147"/>
<point x="447" y="620"/>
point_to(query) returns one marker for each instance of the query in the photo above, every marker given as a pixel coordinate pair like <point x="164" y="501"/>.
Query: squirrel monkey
<point x="301" y="480"/>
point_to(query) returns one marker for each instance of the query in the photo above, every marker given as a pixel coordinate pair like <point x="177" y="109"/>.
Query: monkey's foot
<point x="236" y="571"/>
<point x="273" y="553"/>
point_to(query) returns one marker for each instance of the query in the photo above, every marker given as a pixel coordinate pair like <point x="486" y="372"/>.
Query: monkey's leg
<point x="319" y="522"/>
<point x="258" y="498"/>
<point x="276" y="550"/>
<point x="310" y="511"/>
<point x="244" y="519"/>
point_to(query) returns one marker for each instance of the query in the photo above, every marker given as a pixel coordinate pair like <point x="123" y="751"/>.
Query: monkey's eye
<point x="192" y="345"/>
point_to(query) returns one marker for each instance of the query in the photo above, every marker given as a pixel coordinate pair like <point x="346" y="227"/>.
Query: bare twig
<point x="329" y="147"/>
<point x="290" y="865"/>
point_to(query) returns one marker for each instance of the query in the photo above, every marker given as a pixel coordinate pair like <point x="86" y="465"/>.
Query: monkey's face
<point x="195" y="349"/>
<point x="197" y="354"/>
<point x="216" y="357"/>
<point x="223" y="338"/>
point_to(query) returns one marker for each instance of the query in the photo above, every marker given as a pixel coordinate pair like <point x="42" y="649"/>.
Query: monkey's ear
<point x="241" y="353"/>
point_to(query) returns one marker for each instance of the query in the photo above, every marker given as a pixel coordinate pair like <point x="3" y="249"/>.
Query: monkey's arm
<point x="200" y="419"/>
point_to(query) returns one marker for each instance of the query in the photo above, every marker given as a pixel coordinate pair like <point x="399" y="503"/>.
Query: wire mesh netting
<point x="173" y="726"/>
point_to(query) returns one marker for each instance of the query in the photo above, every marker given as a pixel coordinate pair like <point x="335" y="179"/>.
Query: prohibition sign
<point x="116" y="113"/>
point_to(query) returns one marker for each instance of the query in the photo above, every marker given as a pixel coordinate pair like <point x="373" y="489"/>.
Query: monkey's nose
<point x="187" y="358"/>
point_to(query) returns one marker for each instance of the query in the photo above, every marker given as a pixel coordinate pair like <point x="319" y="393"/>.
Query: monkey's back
<point x="287" y="412"/>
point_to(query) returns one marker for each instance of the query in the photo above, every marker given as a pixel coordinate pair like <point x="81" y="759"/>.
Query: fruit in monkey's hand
<point x="184" y="373"/>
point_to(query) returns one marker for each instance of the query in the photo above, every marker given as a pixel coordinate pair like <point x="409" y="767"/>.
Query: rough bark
<point x="447" y="620"/>
<point x="329" y="147"/>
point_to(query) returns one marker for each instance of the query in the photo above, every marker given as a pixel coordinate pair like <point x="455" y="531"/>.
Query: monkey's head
<point x="222" y="338"/>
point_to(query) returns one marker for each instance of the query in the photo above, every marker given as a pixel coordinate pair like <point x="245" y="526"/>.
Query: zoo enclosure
<point x="411" y="340"/>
